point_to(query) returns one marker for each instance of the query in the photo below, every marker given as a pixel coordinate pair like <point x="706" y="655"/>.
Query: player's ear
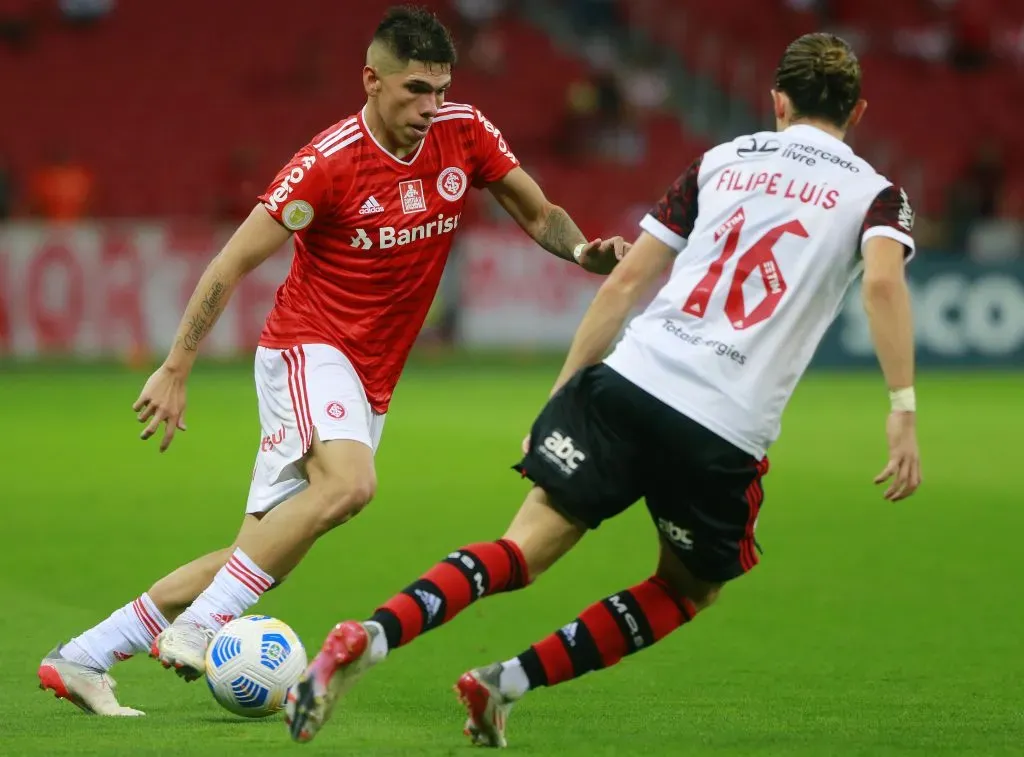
<point x="371" y="81"/>
<point x="779" y="103"/>
<point x="858" y="113"/>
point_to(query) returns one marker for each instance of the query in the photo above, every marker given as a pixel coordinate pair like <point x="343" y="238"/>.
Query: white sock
<point x="378" y="643"/>
<point x="236" y="587"/>
<point x="126" y="632"/>
<point x="513" y="681"/>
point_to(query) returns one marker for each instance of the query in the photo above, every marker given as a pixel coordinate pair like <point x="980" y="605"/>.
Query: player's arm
<point x="648" y="259"/>
<point x="886" y="300"/>
<point x="301" y="191"/>
<point x="887" y="245"/>
<point x="256" y="239"/>
<point x="163" y="397"/>
<point x="666" y="230"/>
<point x="551" y="226"/>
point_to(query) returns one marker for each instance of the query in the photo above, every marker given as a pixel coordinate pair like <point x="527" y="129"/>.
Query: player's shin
<point x="600" y="637"/>
<point x="236" y="587"/>
<point x="127" y="632"/>
<point x="448" y="588"/>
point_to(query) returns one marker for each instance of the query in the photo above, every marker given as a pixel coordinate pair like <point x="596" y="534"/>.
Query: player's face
<point x="409" y="99"/>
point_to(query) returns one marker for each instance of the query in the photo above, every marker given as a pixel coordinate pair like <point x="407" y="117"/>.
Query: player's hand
<point x="162" y="401"/>
<point x="904" y="466"/>
<point x="526" y="444"/>
<point x="602" y="255"/>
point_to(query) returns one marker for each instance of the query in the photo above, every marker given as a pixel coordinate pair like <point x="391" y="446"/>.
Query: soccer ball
<point x="251" y="663"/>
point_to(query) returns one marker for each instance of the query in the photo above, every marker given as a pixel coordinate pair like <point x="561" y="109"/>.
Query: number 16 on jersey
<point x="759" y="256"/>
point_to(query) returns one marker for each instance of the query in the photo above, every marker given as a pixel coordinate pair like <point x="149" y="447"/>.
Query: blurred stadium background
<point x="133" y="137"/>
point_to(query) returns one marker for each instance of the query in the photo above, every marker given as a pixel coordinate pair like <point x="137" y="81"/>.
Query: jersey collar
<point x="814" y="134"/>
<point x="404" y="163"/>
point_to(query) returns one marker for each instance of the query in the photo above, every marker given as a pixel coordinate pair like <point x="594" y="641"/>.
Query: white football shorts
<point x="305" y="387"/>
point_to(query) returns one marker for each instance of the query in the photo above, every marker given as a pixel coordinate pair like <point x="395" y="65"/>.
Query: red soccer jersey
<point x="372" y="234"/>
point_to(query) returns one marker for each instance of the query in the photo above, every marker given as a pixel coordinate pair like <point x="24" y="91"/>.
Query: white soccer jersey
<point x="772" y="225"/>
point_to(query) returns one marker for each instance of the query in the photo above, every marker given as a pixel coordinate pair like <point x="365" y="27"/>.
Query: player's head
<point x="818" y="80"/>
<point x="408" y="71"/>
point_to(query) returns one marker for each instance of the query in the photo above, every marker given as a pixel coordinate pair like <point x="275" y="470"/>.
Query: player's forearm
<point x="204" y="307"/>
<point x="601" y="324"/>
<point x="887" y="303"/>
<point x="556" y="232"/>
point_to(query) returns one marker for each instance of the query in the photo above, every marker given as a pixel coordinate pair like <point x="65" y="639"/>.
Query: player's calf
<point x="464" y="576"/>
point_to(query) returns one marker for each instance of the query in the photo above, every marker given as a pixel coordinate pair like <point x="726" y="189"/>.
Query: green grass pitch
<point x="869" y="628"/>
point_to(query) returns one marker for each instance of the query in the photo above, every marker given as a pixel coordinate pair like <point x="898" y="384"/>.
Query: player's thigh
<point x="542" y="532"/>
<point x="310" y="397"/>
<point x="581" y="456"/>
<point x="342" y="472"/>
<point x="705" y="503"/>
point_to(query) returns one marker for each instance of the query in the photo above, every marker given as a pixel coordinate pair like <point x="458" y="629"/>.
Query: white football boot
<point x="182" y="646"/>
<point x="344" y="657"/>
<point x="486" y="707"/>
<point x="89" y="689"/>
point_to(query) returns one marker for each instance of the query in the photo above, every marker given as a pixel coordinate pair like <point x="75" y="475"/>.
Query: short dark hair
<point x="415" y="33"/>
<point x="821" y="75"/>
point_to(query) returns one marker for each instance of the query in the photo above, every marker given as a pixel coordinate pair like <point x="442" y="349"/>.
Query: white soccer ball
<point x="252" y="662"/>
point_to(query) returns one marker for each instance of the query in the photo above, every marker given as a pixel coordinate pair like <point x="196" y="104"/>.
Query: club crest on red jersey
<point x="411" y="193"/>
<point x="452" y="183"/>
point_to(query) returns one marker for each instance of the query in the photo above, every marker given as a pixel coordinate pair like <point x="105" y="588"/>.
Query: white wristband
<point x="903" y="400"/>
<point x="578" y="252"/>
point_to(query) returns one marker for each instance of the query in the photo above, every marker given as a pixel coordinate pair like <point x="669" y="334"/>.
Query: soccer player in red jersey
<point x="373" y="202"/>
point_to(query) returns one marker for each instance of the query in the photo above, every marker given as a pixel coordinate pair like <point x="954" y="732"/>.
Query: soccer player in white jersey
<point x="764" y="235"/>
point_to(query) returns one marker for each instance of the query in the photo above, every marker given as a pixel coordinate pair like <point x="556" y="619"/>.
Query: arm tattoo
<point x="201" y="323"/>
<point x="558" y="234"/>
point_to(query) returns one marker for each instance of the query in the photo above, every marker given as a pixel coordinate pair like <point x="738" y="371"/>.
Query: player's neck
<point x="830" y="129"/>
<point x="384" y="138"/>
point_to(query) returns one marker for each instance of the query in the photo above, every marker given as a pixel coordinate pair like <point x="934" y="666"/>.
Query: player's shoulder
<point x="459" y="123"/>
<point x="457" y="114"/>
<point x="340" y="140"/>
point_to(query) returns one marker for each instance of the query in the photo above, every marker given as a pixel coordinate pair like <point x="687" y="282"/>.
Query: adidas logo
<point x="569" y="632"/>
<point x="371" y="206"/>
<point x="431" y="601"/>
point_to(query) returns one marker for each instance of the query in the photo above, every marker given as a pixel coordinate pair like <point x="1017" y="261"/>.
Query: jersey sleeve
<point x="890" y="215"/>
<point x="671" y="221"/>
<point x="300" y="192"/>
<point x="494" y="158"/>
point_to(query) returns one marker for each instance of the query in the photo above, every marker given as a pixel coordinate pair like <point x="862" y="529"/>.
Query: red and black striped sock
<point x="451" y="586"/>
<point x="606" y="632"/>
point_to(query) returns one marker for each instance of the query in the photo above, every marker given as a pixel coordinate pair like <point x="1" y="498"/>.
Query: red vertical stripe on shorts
<point x="755" y="496"/>
<point x="293" y="382"/>
<point x="304" y="395"/>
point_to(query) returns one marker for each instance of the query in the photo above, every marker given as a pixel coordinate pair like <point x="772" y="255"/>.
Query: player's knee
<point x="701" y="593"/>
<point x="341" y="499"/>
<point x="678" y="577"/>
